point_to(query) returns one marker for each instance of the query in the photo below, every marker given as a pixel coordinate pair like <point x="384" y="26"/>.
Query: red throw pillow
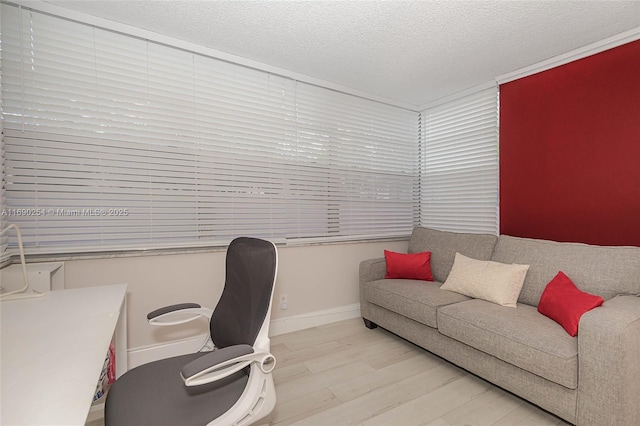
<point x="564" y="303"/>
<point x="415" y="266"/>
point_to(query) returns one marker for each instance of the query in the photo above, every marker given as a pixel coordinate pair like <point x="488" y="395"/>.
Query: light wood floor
<point x="346" y="374"/>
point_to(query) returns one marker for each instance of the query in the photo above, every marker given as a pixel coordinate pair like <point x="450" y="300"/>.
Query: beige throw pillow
<point x="492" y="281"/>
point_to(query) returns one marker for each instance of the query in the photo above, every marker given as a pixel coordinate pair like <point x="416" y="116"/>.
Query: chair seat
<point x="154" y="394"/>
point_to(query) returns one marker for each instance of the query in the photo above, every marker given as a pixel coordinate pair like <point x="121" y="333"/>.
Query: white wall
<point x="315" y="278"/>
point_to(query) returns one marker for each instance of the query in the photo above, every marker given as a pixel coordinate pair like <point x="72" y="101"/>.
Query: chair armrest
<point x="372" y="270"/>
<point x="224" y="362"/>
<point x="609" y="371"/>
<point x="178" y="314"/>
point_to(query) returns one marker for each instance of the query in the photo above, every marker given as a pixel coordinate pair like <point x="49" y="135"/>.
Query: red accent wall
<point x="570" y="151"/>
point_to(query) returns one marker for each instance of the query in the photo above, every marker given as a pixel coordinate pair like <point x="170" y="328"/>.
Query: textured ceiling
<point x="407" y="51"/>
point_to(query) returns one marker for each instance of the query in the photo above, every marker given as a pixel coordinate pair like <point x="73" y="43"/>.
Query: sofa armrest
<point x="372" y="270"/>
<point x="609" y="371"/>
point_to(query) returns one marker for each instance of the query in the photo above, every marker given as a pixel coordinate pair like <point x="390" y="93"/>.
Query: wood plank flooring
<point x="345" y="374"/>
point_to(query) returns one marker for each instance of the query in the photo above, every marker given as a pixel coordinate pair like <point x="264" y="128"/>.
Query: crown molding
<point x="463" y="93"/>
<point x="591" y="49"/>
<point x="574" y="55"/>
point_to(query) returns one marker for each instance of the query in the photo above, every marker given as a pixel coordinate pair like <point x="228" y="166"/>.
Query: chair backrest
<point x="245" y="304"/>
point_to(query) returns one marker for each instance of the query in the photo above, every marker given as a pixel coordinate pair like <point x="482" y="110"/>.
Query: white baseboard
<point x="313" y="319"/>
<point x="139" y="356"/>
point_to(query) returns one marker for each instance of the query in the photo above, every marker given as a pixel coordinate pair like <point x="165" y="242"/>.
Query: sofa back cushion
<point x="443" y="246"/>
<point x="604" y="271"/>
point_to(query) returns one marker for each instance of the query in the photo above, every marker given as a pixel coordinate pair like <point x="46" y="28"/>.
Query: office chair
<point x="231" y="385"/>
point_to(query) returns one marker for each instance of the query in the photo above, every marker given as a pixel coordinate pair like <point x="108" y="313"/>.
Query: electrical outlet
<point x="284" y="303"/>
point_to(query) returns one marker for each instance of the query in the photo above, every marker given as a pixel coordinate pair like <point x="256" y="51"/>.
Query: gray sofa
<point x="590" y="379"/>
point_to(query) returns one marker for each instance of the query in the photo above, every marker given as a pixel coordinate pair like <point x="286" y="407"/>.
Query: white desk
<point x="53" y="350"/>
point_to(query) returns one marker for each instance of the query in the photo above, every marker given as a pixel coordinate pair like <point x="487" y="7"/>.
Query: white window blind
<point x="113" y="142"/>
<point x="4" y="252"/>
<point x="459" y="171"/>
<point x="365" y="158"/>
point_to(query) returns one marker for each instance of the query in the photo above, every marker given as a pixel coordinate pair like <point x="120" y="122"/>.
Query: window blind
<point x="365" y="158"/>
<point x="114" y="142"/>
<point x="4" y="252"/>
<point x="459" y="170"/>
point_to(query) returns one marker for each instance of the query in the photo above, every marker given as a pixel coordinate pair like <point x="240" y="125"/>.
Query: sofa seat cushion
<point x="418" y="300"/>
<point x="522" y="337"/>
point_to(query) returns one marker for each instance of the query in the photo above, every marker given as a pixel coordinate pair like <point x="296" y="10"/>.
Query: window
<point x="113" y="142"/>
<point x="459" y="171"/>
